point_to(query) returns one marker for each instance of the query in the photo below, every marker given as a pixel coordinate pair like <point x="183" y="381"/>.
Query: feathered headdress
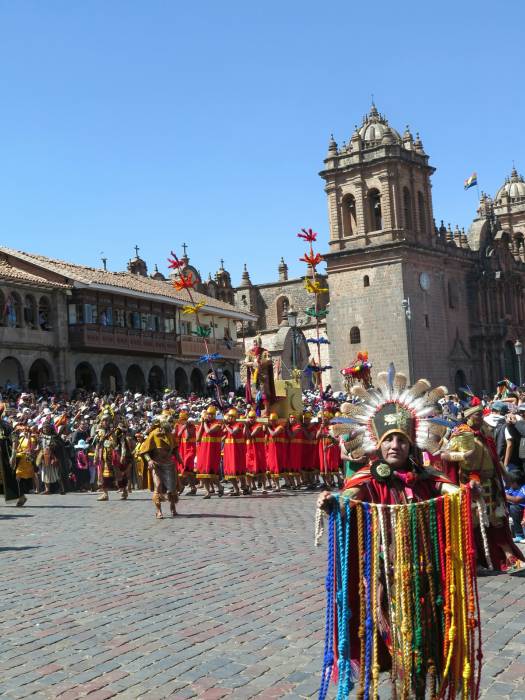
<point x="391" y="407"/>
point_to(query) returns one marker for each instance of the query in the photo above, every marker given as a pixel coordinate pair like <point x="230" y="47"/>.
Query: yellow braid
<point x="361" y="631"/>
<point x="375" y="603"/>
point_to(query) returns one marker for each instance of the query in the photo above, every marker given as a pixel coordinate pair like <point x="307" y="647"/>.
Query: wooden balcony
<point x="113" y="339"/>
<point x="194" y="347"/>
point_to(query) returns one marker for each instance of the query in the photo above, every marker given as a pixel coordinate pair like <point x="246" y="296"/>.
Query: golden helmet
<point x="211" y="410"/>
<point x="252" y="414"/>
<point x="232" y="413"/>
<point x="183" y="415"/>
<point x="273" y="416"/>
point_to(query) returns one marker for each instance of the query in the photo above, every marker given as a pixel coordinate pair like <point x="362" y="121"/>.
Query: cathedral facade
<point x="443" y="304"/>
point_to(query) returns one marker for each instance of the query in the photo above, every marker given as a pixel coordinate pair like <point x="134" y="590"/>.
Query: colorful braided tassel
<point x="416" y="576"/>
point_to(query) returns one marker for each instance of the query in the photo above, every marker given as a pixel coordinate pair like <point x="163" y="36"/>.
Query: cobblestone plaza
<point x="227" y="600"/>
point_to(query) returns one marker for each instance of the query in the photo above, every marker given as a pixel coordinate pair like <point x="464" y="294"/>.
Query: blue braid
<point x="328" y="660"/>
<point x="340" y="600"/>
<point x="368" y="608"/>
<point x="346" y="678"/>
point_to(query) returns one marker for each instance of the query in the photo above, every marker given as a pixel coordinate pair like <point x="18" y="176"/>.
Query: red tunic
<point x="209" y="450"/>
<point x="277" y="450"/>
<point x="255" y="449"/>
<point x="310" y="450"/>
<point x="297" y="442"/>
<point x="186" y="442"/>
<point x="329" y="452"/>
<point x="234" y="457"/>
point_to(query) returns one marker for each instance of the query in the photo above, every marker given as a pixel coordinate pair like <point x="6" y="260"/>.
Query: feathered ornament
<point x="391" y="407"/>
<point x="318" y="341"/>
<point x="193" y="308"/>
<point x="174" y="263"/>
<point x="314" y="287"/>
<point x="202" y="332"/>
<point x="210" y="357"/>
<point x="184" y="282"/>
<point x="307" y="235"/>
<point x="311" y="311"/>
<point x="312" y="259"/>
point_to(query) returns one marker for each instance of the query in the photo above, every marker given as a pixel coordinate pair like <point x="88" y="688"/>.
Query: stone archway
<point x="135" y="380"/>
<point x="156" y="381"/>
<point x="11" y="374"/>
<point x="197" y="382"/>
<point x="40" y="375"/>
<point x="111" y="379"/>
<point x="181" y="382"/>
<point x="460" y="380"/>
<point x="85" y="377"/>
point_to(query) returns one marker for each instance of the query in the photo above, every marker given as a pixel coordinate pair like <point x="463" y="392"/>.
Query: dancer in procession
<point x="158" y="450"/>
<point x="391" y="625"/>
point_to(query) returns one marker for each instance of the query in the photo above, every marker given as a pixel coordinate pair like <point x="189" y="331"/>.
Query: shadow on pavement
<point x="5" y="516"/>
<point x="213" y="515"/>
<point x="53" y="506"/>
<point x="18" y="549"/>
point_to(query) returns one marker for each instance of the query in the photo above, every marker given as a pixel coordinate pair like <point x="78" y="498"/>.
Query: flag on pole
<point x="471" y="181"/>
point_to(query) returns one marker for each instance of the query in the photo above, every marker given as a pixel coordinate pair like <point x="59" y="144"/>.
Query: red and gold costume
<point x="310" y="448"/>
<point x="234" y="451"/>
<point x="328" y="449"/>
<point x="296" y="445"/>
<point x="276" y="448"/>
<point x="255" y="447"/>
<point x="209" y="436"/>
<point x="186" y="437"/>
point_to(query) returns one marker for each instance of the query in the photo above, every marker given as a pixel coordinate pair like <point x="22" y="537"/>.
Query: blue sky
<point x="160" y="122"/>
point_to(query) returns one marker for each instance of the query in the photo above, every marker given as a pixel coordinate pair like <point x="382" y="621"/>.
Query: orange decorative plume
<point x="184" y="282"/>
<point x="312" y="259"/>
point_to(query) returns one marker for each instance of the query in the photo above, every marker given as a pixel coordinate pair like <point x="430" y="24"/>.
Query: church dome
<point x="513" y="187"/>
<point x="375" y="128"/>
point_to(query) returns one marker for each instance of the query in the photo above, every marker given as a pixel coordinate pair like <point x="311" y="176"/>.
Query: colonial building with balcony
<point x="67" y="326"/>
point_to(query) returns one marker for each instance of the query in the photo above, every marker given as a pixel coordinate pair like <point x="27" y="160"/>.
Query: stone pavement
<point x="101" y="600"/>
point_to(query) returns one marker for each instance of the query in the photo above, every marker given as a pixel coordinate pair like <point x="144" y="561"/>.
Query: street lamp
<point x="405" y="303"/>
<point x="292" y="322"/>
<point x="518" y="349"/>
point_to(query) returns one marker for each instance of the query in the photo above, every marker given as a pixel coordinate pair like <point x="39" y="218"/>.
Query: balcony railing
<point x="112" y="338"/>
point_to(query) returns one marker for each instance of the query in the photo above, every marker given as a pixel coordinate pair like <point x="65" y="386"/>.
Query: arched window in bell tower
<point x="421" y="211"/>
<point x="376" y="218"/>
<point x="349" y="216"/>
<point x="407" y="208"/>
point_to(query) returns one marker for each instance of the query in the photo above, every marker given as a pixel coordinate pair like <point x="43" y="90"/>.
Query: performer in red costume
<point x="470" y="457"/>
<point x="234" y="454"/>
<point x="310" y="452"/>
<point x="329" y="451"/>
<point x="185" y="436"/>
<point x="296" y="443"/>
<point x="209" y="437"/>
<point x="393" y="427"/>
<point x="276" y="450"/>
<point x="255" y="451"/>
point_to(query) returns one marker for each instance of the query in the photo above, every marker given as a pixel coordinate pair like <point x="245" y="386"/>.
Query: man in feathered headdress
<point x="391" y="425"/>
<point x="471" y="458"/>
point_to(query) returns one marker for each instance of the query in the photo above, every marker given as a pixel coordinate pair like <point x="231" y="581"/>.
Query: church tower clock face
<point x="424" y="281"/>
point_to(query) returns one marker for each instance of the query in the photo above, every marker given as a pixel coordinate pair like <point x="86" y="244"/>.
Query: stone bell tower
<point x="386" y="278"/>
<point x="378" y="187"/>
